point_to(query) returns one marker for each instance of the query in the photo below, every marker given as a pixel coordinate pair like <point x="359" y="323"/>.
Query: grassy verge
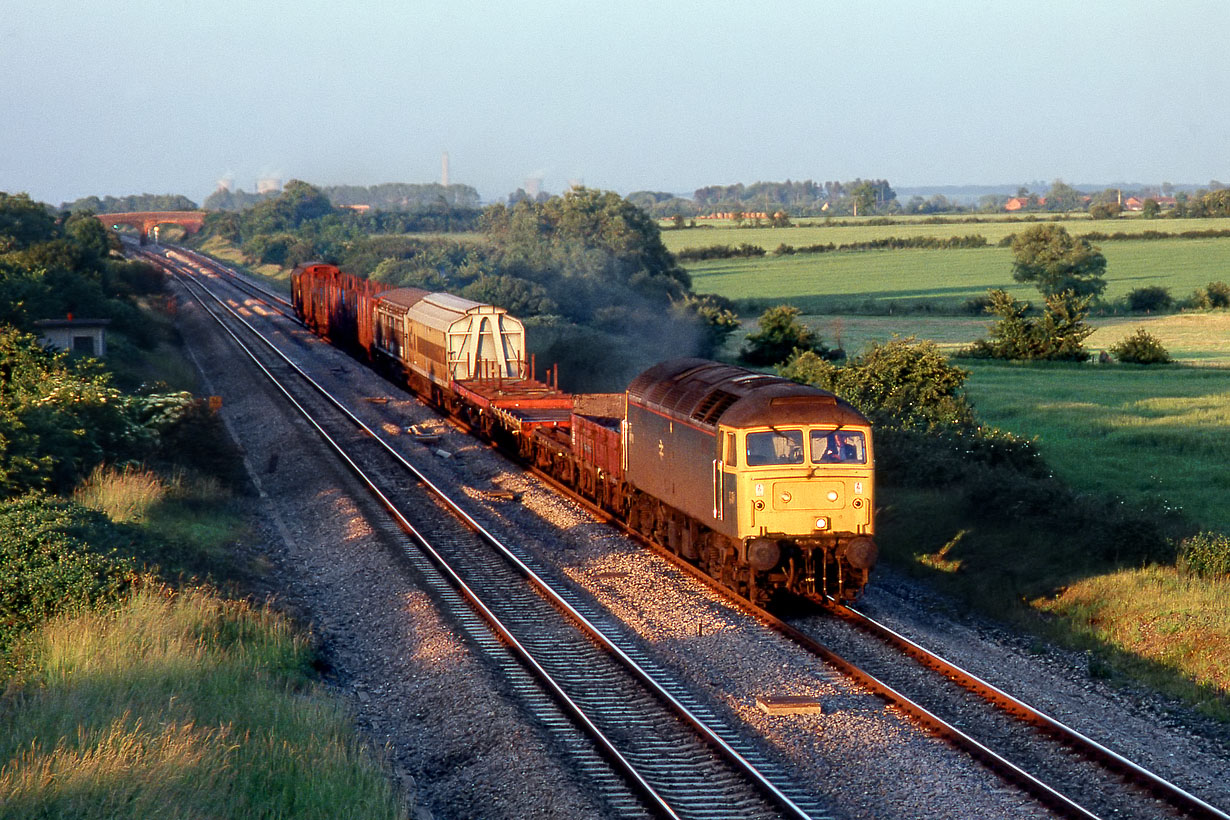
<point x="193" y="522"/>
<point x="124" y="697"/>
<point x="178" y="705"/>
<point x="229" y="253"/>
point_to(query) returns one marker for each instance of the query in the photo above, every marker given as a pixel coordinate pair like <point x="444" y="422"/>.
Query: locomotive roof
<point x="703" y="392"/>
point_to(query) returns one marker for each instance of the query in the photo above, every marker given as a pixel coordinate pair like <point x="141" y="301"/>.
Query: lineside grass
<point x="179" y="704"/>
<point x="1153" y="625"/>
<point x="225" y="251"/>
<point x="1158" y="620"/>
<point x="167" y="703"/>
<point x="895" y="281"/>
<point x="192" y="519"/>
<point x="849" y="231"/>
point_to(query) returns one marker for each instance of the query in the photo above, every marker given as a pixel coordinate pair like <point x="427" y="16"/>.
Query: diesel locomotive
<point x="765" y="484"/>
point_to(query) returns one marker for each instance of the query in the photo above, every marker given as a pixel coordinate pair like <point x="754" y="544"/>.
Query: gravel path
<point x="463" y="749"/>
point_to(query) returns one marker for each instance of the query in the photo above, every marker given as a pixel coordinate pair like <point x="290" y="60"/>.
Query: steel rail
<point x="732" y="755"/>
<point x="920" y="714"/>
<point x="218" y="267"/>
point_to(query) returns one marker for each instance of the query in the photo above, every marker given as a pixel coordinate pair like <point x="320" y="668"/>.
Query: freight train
<point x="765" y="484"/>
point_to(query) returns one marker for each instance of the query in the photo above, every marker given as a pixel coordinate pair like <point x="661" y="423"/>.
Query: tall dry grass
<point x="126" y="494"/>
<point x="179" y="705"/>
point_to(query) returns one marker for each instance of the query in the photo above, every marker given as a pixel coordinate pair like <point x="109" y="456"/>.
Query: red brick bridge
<point x="146" y="221"/>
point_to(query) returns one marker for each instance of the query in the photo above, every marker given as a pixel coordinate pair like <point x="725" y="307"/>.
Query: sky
<point x="136" y="96"/>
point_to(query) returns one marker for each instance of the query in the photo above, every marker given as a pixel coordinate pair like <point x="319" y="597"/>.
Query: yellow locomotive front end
<point x="800" y="498"/>
<point x="767" y="485"/>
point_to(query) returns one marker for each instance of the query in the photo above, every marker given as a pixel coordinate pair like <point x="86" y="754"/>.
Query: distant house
<point x="1137" y="203"/>
<point x="83" y="336"/>
<point x="1018" y="203"/>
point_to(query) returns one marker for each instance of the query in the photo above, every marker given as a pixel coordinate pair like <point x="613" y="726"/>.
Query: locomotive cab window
<point x="775" y="447"/>
<point x="732" y="451"/>
<point x="838" y="447"/>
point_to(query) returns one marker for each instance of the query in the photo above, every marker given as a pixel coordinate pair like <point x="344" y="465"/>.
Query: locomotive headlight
<point x="832" y="496"/>
<point x="785" y="496"/>
<point x="822" y="523"/>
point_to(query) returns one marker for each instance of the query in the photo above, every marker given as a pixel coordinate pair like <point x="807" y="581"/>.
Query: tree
<point x="23" y="222"/>
<point x="864" y="197"/>
<point x="1105" y="210"/>
<point x="1055" y="261"/>
<point x="1150" y="209"/>
<point x="1058" y="335"/>
<point x="781" y="334"/>
<point x="904" y="383"/>
<point x="1063" y="197"/>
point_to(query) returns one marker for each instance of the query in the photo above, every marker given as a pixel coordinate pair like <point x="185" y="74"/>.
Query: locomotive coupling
<point x="763" y="553"/>
<point x="860" y="553"/>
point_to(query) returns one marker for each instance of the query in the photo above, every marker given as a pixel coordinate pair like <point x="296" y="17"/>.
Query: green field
<point x="816" y="232"/>
<point x="1201" y="338"/>
<point x="941" y="280"/>
<point x="1156" y="436"/>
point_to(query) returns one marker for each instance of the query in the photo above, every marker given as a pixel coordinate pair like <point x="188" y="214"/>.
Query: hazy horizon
<point x="133" y="97"/>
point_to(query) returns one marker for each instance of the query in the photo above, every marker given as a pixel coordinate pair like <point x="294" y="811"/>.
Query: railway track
<point x="639" y="733"/>
<point x="1149" y="788"/>
<point x="1071" y="775"/>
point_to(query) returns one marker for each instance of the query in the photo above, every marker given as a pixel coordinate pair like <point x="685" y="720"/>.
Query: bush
<point x="58" y="557"/>
<point x="1147" y="300"/>
<point x="902" y="383"/>
<point x="781" y="334"/>
<point x="1057" y="335"/>
<point x="1140" y="348"/>
<point x="976" y="305"/>
<point x="1218" y="294"/>
<point x="1206" y="554"/>
<point x="719" y="252"/>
